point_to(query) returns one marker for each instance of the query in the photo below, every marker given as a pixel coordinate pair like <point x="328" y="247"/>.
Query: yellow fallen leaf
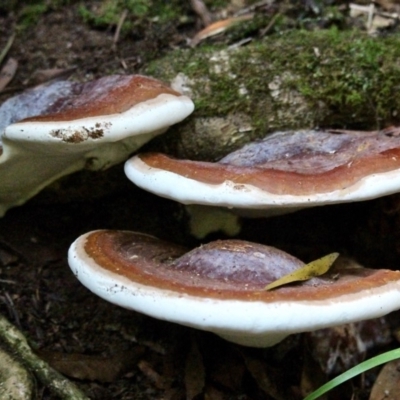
<point x="314" y="268"/>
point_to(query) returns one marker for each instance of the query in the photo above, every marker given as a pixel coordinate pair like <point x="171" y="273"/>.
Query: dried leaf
<point x="310" y="270"/>
<point x="267" y="378"/>
<point x="218" y="27"/>
<point x="387" y="385"/>
<point x="312" y="376"/>
<point x="147" y="369"/>
<point x="339" y="348"/>
<point x="92" y="367"/>
<point x="375" y="19"/>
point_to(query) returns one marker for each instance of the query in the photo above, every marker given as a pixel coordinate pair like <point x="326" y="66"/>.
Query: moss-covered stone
<point x="293" y="80"/>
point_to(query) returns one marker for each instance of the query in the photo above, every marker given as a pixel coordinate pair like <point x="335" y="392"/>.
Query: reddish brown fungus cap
<point x="285" y="170"/>
<point x="219" y="286"/>
<point x="109" y="95"/>
<point x="57" y="129"/>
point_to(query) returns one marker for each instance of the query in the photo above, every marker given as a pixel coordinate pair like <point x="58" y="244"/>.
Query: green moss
<point x="345" y="78"/>
<point x="29" y="14"/>
<point x="108" y="12"/>
<point x="352" y="74"/>
<point x="294" y="80"/>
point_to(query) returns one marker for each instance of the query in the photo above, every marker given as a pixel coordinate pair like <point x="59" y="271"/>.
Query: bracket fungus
<point x="57" y="129"/>
<point x="285" y="171"/>
<point x="219" y="287"/>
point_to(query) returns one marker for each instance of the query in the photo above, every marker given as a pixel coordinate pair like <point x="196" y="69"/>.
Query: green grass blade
<point x="352" y="372"/>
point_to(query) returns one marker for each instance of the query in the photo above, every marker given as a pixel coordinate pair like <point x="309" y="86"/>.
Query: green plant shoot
<point x="352" y="372"/>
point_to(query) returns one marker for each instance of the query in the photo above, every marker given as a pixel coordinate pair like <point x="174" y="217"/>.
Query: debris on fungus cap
<point x="219" y="287"/>
<point x="54" y="130"/>
<point x="285" y="171"/>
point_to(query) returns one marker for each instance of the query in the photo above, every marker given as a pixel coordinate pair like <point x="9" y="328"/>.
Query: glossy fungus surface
<point x="57" y="129"/>
<point x="286" y="170"/>
<point x="219" y="286"/>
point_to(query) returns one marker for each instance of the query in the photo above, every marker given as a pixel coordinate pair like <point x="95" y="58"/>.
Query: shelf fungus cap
<point x="219" y="287"/>
<point x="56" y="129"/>
<point x="285" y="171"/>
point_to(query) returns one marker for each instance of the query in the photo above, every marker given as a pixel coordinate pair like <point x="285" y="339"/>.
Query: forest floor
<point x="113" y="353"/>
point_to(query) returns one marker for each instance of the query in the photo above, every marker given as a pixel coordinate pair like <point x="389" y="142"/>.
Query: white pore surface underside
<point x="252" y="323"/>
<point x="149" y="116"/>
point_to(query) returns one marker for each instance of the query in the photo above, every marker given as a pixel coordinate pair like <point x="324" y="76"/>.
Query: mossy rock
<point x="293" y="80"/>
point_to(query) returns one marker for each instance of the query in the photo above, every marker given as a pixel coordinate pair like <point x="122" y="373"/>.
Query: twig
<point x="57" y="383"/>
<point x="201" y="10"/>
<point x="254" y="6"/>
<point x="7" y="72"/>
<point x="119" y="27"/>
<point x="15" y="382"/>
<point x="11" y="282"/>
<point x="271" y="23"/>
<point x="11" y="308"/>
<point x="9" y="43"/>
